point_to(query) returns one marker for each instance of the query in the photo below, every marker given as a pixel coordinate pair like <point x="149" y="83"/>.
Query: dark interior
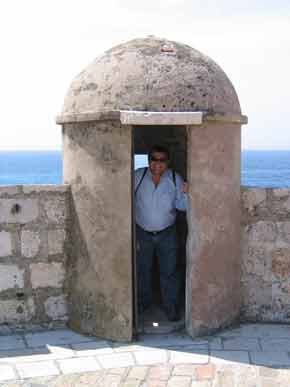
<point x="175" y="139"/>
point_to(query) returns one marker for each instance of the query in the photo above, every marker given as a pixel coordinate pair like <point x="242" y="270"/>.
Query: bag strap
<point x="140" y="181"/>
<point x="174" y="177"/>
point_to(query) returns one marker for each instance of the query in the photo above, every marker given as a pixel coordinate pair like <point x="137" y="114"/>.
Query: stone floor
<point x="249" y="355"/>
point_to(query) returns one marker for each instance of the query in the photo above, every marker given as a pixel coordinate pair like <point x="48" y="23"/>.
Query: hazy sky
<point x="45" y="44"/>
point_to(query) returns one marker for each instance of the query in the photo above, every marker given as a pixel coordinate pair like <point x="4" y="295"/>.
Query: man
<point x="159" y="191"/>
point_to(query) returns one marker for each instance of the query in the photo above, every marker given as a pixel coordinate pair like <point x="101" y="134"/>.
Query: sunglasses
<point x="158" y="160"/>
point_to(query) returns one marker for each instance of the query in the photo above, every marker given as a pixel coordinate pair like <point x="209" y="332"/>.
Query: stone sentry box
<point x="153" y="83"/>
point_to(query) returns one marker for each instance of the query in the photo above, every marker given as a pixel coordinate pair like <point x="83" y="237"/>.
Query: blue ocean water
<point x="258" y="168"/>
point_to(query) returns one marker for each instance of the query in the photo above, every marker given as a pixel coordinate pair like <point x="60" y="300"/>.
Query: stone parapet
<point x="34" y="223"/>
<point x="265" y="254"/>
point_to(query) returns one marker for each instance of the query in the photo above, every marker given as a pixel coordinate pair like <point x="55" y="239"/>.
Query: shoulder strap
<point x="174" y="177"/>
<point x="140" y="181"/>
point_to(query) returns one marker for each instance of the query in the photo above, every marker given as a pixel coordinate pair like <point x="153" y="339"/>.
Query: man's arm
<point x="181" y="194"/>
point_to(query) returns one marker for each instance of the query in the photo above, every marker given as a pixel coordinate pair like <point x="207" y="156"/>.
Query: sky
<point x="45" y="44"/>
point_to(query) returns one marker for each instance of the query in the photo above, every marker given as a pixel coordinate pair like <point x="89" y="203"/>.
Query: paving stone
<point x="132" y="383"/>
<point x="161" y="372"/>
<point x="109" y="381"/>
<point x="197" y="357"/>
<point x="40" y="368"/>
<point x="215" y="343"/>
<point x="6" y="373"/>
<point x="76" y="365"/>
<point x="36" y="354"/>
<point x="203" y="383"/>
<point x="179" y="381"/>
<point x="60" y="336"/>
<point x="155" y="383"/>
<point x="265" y="330"/>
<point x="184" y="370"/>
<point x="119" y="371"/>
<point x="11" y="342"/>
<point x="270" y="358"/>
<point x="206" y="371"/>
<point x="270" y="344"/>
<point x="116" y="360"/>
<point x="150" y="357"/>
<point x="229" y="357"/>
<point x="168" y="340"/>
<point x="242" y="344"/>
<point x="132" y="347"/>
<point x="138" y="372"/>
<point x="92" y="348"/>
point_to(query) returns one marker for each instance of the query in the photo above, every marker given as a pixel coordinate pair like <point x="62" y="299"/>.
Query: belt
<point x="159" y="231"/>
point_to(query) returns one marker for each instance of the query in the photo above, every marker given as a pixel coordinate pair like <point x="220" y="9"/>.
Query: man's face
<point x="158" y="163"/>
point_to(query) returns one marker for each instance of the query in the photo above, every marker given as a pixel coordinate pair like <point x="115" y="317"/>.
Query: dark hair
<point x="159" y="149"/>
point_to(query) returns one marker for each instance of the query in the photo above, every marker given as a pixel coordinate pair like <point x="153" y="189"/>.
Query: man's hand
<point x="184" y="187"/>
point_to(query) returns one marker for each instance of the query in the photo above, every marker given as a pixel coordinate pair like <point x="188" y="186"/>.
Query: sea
<point x="259" y="168"/>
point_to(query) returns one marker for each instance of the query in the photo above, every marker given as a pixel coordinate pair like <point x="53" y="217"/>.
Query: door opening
<point x="154" y="319"/>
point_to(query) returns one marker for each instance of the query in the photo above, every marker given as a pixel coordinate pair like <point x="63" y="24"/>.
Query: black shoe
<point x="172" y="313"/>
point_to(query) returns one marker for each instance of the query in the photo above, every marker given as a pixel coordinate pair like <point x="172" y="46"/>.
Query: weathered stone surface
<point x="5" y="243"/>
<point x="252" y="197"/>
<point x="30" y="243"/>
<point x="11" y="276"/>
<point x="47" y="275"/>
<point x="281" y="192"/>
<point x="9" y="190"/>
<point x="18" y="210"/>
<point x="14" y="311"/>
<point x="56" y="307"/>
<point x="97" y="163"/>
<point x="55" y="210"/>
<point x="35" y="188"/>
<point x="180" y="80"/>
<point x="56" y="239"/>
<point x="213" y="246"/>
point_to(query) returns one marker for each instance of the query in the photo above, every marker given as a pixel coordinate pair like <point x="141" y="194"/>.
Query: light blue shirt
<point x="155" y="206"/>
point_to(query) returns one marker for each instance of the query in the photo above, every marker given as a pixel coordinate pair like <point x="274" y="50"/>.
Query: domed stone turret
<point x="151" y="74"/>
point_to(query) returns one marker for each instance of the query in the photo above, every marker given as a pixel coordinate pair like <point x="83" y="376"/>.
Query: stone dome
<point x="151" y="74"/>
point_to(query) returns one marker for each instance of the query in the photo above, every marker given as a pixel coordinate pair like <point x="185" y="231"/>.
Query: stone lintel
<point x="130" y="117"/>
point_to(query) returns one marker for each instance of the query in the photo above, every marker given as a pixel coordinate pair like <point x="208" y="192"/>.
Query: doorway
<point x="174" y="138"/>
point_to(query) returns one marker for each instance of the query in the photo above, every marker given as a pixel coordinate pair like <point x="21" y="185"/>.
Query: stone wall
<point x="33" y="235"/>
<point x="266" y="254"/>
<point x="34" y="222"/>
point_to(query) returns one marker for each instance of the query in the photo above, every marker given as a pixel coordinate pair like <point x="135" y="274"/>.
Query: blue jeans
<point x="164" y="245"/>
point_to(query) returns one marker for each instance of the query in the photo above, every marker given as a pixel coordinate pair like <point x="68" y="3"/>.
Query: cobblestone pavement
<point x="251" y="355"/>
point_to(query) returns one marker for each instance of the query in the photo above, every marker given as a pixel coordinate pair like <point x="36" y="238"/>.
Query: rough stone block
<point x="55" y="209"/>
<point x="5" y="244"/>
<point x="47" y="275"/>
<point x="281" y="263"/>
<point x="9" y="190"/>
<point x="281" y="192"/>
<point x="262" y="232"/>
<point x="14" y="311"/>
<point x="35" y="188"/>
<point x="56" y="240"/>
<point x="11" y="276"/>
<point x="30" y="243"/>
<point x="56" y="307"/>
<point x="229" y="357"/>
<point x="253" y="197"/>
<point x="18" y="210"/>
